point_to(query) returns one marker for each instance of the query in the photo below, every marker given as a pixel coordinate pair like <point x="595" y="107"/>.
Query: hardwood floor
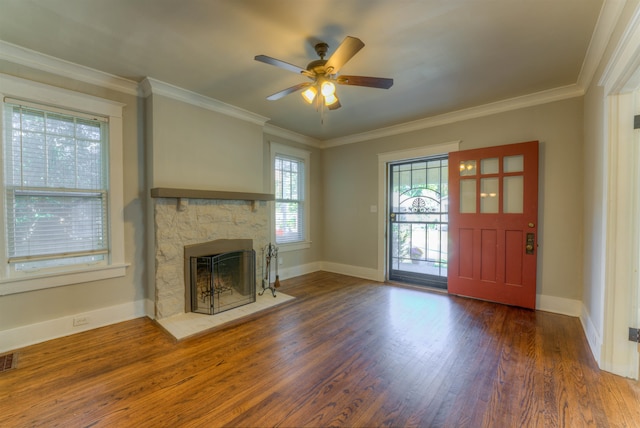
<point x="345" y="352"/>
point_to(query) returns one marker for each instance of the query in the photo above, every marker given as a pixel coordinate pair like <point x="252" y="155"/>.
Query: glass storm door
<point x="418" y="205"/>
<point x="493" y="223"/>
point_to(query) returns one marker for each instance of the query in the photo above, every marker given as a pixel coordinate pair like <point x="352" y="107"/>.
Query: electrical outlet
<point x="78" y="321"/>
<point x="280" y="261"/>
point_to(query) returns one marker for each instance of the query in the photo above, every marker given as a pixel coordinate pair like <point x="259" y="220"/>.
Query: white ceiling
<point x="444" y="55"/>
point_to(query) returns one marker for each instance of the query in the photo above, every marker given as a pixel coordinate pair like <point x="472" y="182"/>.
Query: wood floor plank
<point x="345" y="352"/>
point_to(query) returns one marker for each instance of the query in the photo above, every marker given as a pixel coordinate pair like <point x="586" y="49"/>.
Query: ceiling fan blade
<point x="347" y="49"/>
<point x="281" y="64"/>
<point x="288" y="91"/>
<point x="371" y="82"/>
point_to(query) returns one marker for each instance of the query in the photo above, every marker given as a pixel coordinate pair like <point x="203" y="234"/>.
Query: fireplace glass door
<point x="223" y="281"/>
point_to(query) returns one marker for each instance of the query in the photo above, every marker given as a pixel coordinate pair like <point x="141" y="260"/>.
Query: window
<point x="291" y="219"/>
<point x="62" y="187"/>
<point x="55" y="188"/>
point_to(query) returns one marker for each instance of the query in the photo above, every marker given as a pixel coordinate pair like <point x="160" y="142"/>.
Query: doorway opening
<point x="418" y="221"/>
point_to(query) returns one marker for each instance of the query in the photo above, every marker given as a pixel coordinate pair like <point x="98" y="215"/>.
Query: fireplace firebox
<point x="221" y="276"/>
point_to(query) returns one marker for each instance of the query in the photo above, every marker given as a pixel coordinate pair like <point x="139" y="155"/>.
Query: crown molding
<point x="622" y="73"/>
<point x="543" y="97"/>
<point x="39" y="61"/>
<point x="607" y="20"/>
<point x="152" y="86"/>
<point x="292" y="136"/>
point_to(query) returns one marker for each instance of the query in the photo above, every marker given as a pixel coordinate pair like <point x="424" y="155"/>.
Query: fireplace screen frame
<point x="215" y="247"/>
<point x="222" y="282"/>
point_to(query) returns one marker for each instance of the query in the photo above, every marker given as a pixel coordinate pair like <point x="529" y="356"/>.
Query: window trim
<point x="15" y="87"/>
<point x="305" y="156"/>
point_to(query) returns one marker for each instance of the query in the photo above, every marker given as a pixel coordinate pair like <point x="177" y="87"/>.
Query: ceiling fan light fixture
<point x="327" y="89"/>
<point x="330" y="99"/>
<point x="309" y="94"/>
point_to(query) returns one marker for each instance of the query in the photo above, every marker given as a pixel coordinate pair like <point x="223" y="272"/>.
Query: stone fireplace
<point x="189" y="219"/>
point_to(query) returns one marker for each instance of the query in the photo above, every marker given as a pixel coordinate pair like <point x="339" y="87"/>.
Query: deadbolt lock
<point x="531" y="239"/>
<point x="532" y="225"/>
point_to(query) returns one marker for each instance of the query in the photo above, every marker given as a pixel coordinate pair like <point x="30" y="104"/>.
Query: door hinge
<point x="634" y="334"/>
<point x="636" y="122"/>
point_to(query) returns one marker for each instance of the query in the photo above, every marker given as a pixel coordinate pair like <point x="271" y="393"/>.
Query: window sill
<point x="50" y="280"/>
<point x="295" y="246"/>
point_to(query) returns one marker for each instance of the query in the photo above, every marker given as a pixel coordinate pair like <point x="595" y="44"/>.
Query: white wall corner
<point x="22" y="336"/>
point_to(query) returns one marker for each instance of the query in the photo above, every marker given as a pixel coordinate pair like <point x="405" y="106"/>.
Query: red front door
<point x="493" y="223"/>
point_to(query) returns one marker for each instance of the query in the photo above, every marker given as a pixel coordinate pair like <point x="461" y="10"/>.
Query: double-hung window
<point x="61" y="204"/>
<point x="291" y="172"/>
<point x="55" y="182"/>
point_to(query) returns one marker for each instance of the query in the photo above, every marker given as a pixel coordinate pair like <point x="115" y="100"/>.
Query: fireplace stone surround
<point x="199" y="217"/>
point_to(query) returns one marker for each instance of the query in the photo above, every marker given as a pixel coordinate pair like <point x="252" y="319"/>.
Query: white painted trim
<point x="28" y="90"/>
<point x="291" y="136"/>
<point x="15" y="87"/>
<point x="357" y="271"/>
<point x="25" y="283"/>
<point x="292" y="272"/>
<point x="591" y="332"/>
<point x="305" y="155"/>
<point x="152" y="86"/>
<point x="20" y="337"/>
<point x="543" y="97"/>
<point x="619" y="355"/>
<point x="622" y="73"/>
<point x="39" y="61"/>
<point x="383" y="161"/>
<point x="558" y="305"/>
<point x="607" y="20"/>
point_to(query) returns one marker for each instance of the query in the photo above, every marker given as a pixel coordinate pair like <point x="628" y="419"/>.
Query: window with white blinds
<point x="290" y="184"/>
<point x="290" y="198"/>
<point x="56" y="187"/>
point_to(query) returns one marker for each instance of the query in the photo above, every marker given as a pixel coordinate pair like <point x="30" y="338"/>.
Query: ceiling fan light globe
<point x="309" y="94"/>
<point x="330" y="99"/>
<point x="327" y="89"/>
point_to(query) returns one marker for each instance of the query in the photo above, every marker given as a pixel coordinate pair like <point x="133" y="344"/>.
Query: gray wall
<point x="350" y="175"/>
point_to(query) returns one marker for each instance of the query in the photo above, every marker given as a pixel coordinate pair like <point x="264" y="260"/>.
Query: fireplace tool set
<point x="270" y="253"/>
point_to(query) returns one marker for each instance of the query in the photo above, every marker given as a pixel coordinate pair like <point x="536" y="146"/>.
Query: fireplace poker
<point x="269" y="252"/>
<point x="276" y="284"/>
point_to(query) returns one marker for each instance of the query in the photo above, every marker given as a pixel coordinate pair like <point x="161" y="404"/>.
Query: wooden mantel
<point x="166" y="192"/>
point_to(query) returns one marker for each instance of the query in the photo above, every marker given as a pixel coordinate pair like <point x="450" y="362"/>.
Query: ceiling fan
<point x="323" y="74"/>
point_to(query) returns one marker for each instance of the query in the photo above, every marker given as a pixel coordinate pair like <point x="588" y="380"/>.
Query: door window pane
<point x="513" y="163"/>
<point x="489" y="166"/>
<point x="513" y="194"/>
<point x="468" y="168"/>
<point x="468" y="196"/>
<point x="489" y="195"/>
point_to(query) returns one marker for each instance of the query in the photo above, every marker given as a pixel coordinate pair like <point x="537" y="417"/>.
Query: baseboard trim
<point x="593" y="337"/>
<point x="20" y="337"/>
<point x="558" y="305"/>
<point x="292" y="272"/>
<point x="357" y="271"/>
